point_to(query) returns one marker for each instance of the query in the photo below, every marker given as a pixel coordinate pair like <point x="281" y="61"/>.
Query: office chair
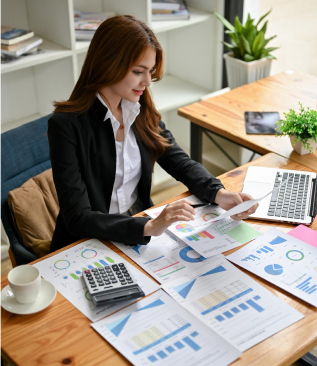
<point x="24" y="154"/>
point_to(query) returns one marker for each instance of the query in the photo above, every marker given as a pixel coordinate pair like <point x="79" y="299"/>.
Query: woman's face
<point x="131" y="87"/>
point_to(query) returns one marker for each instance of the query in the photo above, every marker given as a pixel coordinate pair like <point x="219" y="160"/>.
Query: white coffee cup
<point x="25" y="283"/>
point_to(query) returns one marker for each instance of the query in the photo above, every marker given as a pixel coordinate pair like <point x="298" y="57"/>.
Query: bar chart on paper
<point x="158" y="331"/>
<point x="207" y="236"/>
<point x="64" y="270"/>
<point x="210" y="239"/>
<point x="307" y="287"/>
<point x="230" y="302"/>
<point x="284" y="261"/>
<point x="165" y="257"/>
<point x="62" y="264"/>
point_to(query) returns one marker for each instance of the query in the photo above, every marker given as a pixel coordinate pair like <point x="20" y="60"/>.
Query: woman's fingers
<point x="184" y="205"/>
<point x="180" y="214"/>
<point x="244" y="215"/>
<point x="253" y="209"/>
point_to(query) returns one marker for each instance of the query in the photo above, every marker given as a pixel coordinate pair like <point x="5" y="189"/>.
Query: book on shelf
<point x="173" y="5"/>
<point x="86" y="23"/>
<point x="181" y="14"/>
<point x="22" y="47"/>
<point x="7" y="59"/>
<point x="11" y="36"/>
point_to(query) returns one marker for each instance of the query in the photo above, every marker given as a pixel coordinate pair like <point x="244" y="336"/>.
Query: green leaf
<point x="241" y="48"/>
<point x="228" y="45"/>
<point x="225" y="22"/>
<point x="249" y="24"/>
<point x="263" y="29"/>
<point x="234" y="36"/>
<point x="251" y="35"/>
<point x="248" y="57"/>
<point x="257" y="43"/>
<point x="245" y="44"/>
<point x="270" y="49"/>
<point x="266" y="41"/>
<point x="269" y="56"/>
<point x="237" y="24"/>
<point x="265" y="15"/>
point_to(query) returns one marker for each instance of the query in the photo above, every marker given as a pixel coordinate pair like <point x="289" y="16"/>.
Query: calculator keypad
<point x="115" y="275"/>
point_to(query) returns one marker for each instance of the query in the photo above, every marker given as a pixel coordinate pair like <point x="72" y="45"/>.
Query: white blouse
<point x="128" y="159"/>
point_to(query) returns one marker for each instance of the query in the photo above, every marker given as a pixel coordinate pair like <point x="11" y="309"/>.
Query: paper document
<point x="165" y="257"/>
<point x="209" y="238"/>
<point x="158" y="331"/>
<point x="283" y="260"/>
<point x="231" y="303"/>
<point x="64" y="270"/>
<point x="244" y="206"/>
<point x="264" y="228"/>
<point x="305" y="234"/>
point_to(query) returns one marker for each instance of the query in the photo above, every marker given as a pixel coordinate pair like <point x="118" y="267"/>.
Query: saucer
<point x="46" y="296"/>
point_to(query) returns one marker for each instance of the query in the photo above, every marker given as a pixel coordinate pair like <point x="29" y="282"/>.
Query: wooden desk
<point x="224" y="115"/>
<point x="61" y="335"/>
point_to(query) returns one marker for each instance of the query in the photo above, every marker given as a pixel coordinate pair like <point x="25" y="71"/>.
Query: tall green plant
<point x="247" y="41"/>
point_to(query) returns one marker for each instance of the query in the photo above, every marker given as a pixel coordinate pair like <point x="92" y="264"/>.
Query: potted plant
<point x="301" y="127"/>
<point x="249" y="59"/>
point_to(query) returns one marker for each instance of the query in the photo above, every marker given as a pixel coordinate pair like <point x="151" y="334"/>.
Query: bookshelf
<point x="193" y="60"/>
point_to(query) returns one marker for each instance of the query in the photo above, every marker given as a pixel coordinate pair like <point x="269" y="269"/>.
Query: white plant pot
<point x="240" y="72"/>
<point x="299" y="148"/>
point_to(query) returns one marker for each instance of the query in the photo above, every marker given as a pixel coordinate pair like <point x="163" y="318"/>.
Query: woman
<point x="105" y="140"/>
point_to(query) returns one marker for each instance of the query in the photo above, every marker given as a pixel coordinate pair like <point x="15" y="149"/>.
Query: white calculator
<point x="111" y="283"/>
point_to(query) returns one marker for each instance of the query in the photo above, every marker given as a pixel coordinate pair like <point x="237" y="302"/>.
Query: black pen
<point x="200" y="205"/>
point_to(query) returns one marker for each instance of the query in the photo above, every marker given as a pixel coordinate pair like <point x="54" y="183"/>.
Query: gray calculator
<point x="110" y="284"/>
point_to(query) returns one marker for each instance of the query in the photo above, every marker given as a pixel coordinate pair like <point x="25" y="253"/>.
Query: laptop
<point x="294" y="202"/>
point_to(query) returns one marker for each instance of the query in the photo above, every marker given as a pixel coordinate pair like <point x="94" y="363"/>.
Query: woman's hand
<point x="227" y="200"/>
<point x="173" y="212"/>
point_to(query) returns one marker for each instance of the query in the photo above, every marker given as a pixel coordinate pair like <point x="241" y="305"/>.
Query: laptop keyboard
<point x="290" y="200"/>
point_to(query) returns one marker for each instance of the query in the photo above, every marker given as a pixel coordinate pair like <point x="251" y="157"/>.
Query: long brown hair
<point x="117" y="45"/>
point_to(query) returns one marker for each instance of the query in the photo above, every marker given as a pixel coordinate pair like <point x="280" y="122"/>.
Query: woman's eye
<point x="137" y="72"/>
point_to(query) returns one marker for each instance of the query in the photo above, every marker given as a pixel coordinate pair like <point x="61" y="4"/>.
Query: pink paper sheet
<point x="305" y="234"/>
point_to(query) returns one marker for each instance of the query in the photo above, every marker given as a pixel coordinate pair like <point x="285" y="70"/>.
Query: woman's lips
<point x="138" y="92"/>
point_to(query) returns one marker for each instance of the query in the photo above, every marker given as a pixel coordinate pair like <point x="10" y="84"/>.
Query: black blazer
<point x="83" y="156"/>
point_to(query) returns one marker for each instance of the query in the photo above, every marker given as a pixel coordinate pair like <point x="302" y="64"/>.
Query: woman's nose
<point x="147" y="80"/>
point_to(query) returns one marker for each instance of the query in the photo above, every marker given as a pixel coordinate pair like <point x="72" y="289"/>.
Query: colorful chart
<point x="203" y="234"/>
<point x="274" y="269"/>
<point x="77" y="273"/>
<point x="210" y="216"/>
<point x="295" y="255"/>
<point x="184" y="228"/>
<point x="62" y="264"/>
<point x="184" y="255"/>
<point x="88" y="253"/>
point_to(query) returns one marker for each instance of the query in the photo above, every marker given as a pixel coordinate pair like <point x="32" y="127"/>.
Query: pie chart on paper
<point x="274" y="269"/>
<point x="210" y="216"/>
<point x="183" y="228"/>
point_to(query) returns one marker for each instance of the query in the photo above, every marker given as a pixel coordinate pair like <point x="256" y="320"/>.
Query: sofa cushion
<point x="34" y="208"/>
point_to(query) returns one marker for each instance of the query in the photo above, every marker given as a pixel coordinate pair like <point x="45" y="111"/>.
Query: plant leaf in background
<point x="247" y="42"/>
<point x="302" y="125"/>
